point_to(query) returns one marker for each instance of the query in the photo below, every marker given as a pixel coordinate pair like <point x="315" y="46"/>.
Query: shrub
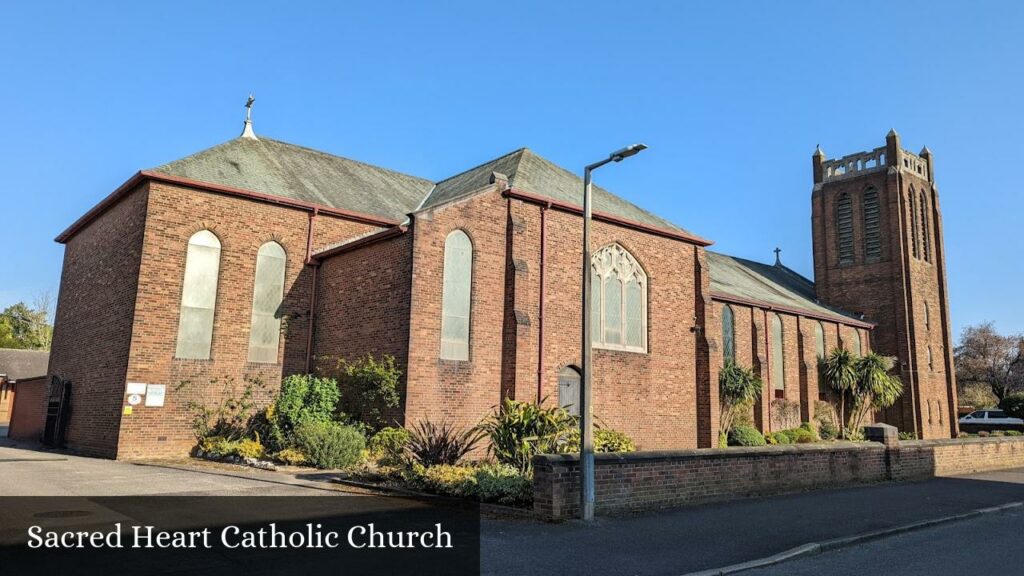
<point x="827" y="420"/>
<point x="503" y="484"/>
<point x="1013" y="432"/>
<point x="329" y="444"/>
<point x="1013" y="405"/>
<point x="804" y="436"/>
<point x="999" y="433"/>
<point x="290" y="456"/>
<point x="519" y="430"/>
<point x="371" y="389"/>
<point x="907" y="436"/>
<point x="266" y="426"/>
<point x="983" y="434"/>
<point x="605" y="440"/>
<point x="227" y="418"/>
<point x="218" y="446"/>
<point x="388" y="445"/>
<point x="433" y="445"/>
<point x="249" y="448"/>
<point x="745" y="436"/>
<point x="450" y="480"/>
<point x="305" y="398"/>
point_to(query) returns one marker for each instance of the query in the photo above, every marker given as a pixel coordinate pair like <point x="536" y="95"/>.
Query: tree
<point x="26" y="328"/>
<point x="839" y="370"/>
<point x="738" y="388"/>
<point x="986" y="357"/>
<point x="876" y="387"/>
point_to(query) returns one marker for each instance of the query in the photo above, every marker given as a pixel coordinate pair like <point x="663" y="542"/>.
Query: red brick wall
<point x="651" y="396"/>
<point x="94" y="318"/>
<point x="29" y="413"/>
<point x="363" y="305"/>
<point x="646" y="481"/>
<point x="175" y="213"/>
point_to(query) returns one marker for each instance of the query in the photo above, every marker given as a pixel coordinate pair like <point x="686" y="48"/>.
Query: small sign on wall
<point x="155" y="394"/>
<point x="136" y="388"/>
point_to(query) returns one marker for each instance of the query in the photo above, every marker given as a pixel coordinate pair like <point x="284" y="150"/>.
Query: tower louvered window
<point x="872" y="226"/>
<point x="925" y="248"/>
<point x="844" y="228"/>
<point x="913" y="223"/>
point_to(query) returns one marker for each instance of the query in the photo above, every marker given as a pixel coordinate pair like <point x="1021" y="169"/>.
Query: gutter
<point x="787" y="310"/>
<point x="605" y="217"/>
<point x="151" y="176"/>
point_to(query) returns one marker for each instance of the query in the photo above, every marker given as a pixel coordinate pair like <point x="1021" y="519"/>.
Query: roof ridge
<point x="482" y="164"/>
<point x="346" y="158"/>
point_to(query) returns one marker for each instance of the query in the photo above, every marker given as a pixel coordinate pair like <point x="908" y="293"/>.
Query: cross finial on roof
<point x="778" y="260"/>
<point x="247" y="131"/>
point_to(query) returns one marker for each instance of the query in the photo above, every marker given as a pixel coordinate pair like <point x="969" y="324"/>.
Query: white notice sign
<point x="155" y="395"/>
<point x="136" y="388"/>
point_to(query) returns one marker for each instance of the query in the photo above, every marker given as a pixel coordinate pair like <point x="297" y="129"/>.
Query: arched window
<point x="267" y="294"/>
<point x="778" y="356"/>
<point x="819" y="340"/>
<point x="931" y="366"/>
<point x="456" y="296"/>
<point x="569" y="390"/>
<point x="925" y="244"/>
<point x="927" y="317"/>
<point x="198" y="296"/>
<point x="857" y="347"/>
<point x="914" y="234"/>
<point x="844" y="228"/>
<point x="872" y="226"/>
<point x="728" y="335"/>
<point x="619" y="300"/>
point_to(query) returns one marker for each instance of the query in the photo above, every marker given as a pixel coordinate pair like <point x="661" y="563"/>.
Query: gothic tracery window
<point x="619" y="300"/>
<point x="728" y="335"/>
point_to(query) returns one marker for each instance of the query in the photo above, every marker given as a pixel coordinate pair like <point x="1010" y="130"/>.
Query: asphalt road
<point x="987" y="544"/>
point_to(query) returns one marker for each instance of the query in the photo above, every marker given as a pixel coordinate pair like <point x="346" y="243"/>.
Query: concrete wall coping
<point x="707" y="453"/>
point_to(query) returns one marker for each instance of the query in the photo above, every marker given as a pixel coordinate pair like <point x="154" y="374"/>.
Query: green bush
<point x="745" y="436"/>
<point x="218" y="446"/>
<point x="1013" y="405"/>
<point x="450" y="480"/>
<point x="519" y="430"/>
<point x="371" y="389"/>
<point x="388" y="445"/>
<point x="804" y="436"/>
<point x="503" y="484"/>
<point x="1013" y="433"/>
<point x="290" y="457"/>
<point x="433" y="445"/>
<point x="605" y="440"/>
<point x="907" y="436"/>
<point x="305" y="398"/>
<point x="249" y="448"/>
<point x="330" y="444"/>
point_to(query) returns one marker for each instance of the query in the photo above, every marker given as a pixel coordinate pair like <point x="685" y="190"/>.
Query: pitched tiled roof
<point x="277" y="168"/>
<point x="23" y="364"/>
<point x="280" y="169"/>
<point x="773" y="285"/>
<point x="529" y="172"/>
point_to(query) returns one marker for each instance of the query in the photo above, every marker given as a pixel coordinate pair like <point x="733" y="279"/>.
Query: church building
<point x="258" y="259"/>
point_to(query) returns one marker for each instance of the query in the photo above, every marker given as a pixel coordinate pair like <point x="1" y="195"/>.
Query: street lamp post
<point x="586" y="411"/>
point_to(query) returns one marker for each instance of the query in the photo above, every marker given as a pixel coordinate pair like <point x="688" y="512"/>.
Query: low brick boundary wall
<point x="641" y="481"/>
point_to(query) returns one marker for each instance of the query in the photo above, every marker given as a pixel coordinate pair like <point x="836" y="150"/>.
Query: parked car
<point x="990" y="419"/>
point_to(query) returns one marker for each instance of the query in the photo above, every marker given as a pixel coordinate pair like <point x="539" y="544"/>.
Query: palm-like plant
<point x="738" y="388"/>
<point x="875" y="388"/>
<point x="840" y="372"/>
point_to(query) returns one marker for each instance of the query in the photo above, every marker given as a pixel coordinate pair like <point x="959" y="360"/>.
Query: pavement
<point x="982" y="545"/>
<point x="674" y="542"/>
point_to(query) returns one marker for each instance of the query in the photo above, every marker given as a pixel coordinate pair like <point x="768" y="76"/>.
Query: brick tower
<point x="879" y="251"/>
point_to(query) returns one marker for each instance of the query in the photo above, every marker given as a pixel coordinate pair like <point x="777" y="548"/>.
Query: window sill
<point x="613" y="348"/>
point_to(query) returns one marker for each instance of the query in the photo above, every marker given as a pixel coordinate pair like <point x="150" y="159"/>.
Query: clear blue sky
<point x="731" y="97"/>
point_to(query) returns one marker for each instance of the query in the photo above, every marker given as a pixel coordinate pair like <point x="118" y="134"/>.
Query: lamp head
<point x="620" y="155"/>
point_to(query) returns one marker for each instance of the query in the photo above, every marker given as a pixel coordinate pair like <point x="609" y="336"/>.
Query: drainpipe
<point x="540" y="306"/>
<point x="312" y="290"/>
